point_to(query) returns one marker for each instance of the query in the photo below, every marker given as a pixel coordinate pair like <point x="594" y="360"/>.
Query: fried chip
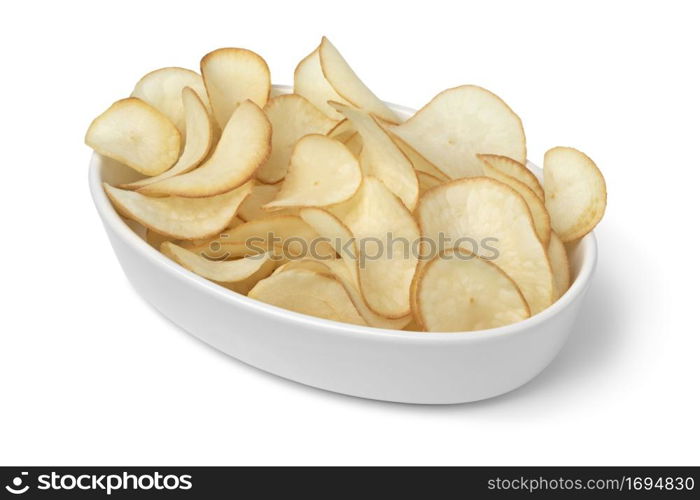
<point x="457" y="292"/>
<point x="292" y="117"/>
<point x="244" y="145"/>
<point x="385" y="231"/>
<point x="199" y="139"/>
<point x="347" y="84"/>
<point x="540" y="216"/>
<point x="309" y="82"/>
<point x="179" y="218"/>
<point x="322" y="172"/>
<point x="575" y="192"/>
<point x="163" y="89"/>
<point x="232" y="76"/>
<point x="493" y="221"/>
<point x="458" y="124"/>
<point x="381" y="157"/>
<point x="137" y="135"/>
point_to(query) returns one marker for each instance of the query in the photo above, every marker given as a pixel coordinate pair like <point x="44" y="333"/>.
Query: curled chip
<point x="308" y="292"/>
<point x="199" y="139"/>
<point x="575" y="193"/>
<point x="322" y="172"/>
<point x="292" y="117"/>
<point x="346" y="83"/>
<point x="232" y="76"/>
<point x="179" y="218"/>
<point x="310" y="83"/>
<point x="386" y="232"/>
<point x="380" y="156"/>
<point x="163" y="88"/>
<point x="458" y="291"/>
<point x="539" y="213"/>
<point x="489" y="218"/>
<point x="137" y="135"/>
<point x="458" y="124"/>
<point x="244" y="145"/>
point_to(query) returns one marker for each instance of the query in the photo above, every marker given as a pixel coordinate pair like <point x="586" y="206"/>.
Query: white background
<point x="91" y="374"/>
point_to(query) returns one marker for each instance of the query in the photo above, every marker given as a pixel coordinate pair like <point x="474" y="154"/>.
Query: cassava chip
<point x="381" y="157"/>
<point x="232" y="76"/>
<point x="179" y="218"/>
<point x="244" y="145"/>
<point x="458" y="124"/>
<point x="322" y="172"/>
<point x="540" y="217"/>
<point x="385" y="232"/>
<point x="559" y="260"/>
<point x="198" y="141"/>
<point x="309" y="82"/>
<point x="489" y="218"/>
<point x="137" y="135"/>
<point x="292" y="117"/>
<point x="347" y="84"/>
<point x="163" y="88"/>
<point x="458" y="291"/>
<point x="308" y="292"/>
<point x="575" y="193"/>
<point x="515" y="169"/>
<point x="221" y="271"/>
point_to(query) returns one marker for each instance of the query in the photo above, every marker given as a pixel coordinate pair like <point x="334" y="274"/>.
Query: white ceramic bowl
<point x="408" y="367"/>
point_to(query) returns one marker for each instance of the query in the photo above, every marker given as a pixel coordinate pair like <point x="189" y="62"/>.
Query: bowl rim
<point x="111" y="218"/>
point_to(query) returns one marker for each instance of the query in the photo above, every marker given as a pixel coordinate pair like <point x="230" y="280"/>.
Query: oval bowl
<point x="389" y="365"/>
